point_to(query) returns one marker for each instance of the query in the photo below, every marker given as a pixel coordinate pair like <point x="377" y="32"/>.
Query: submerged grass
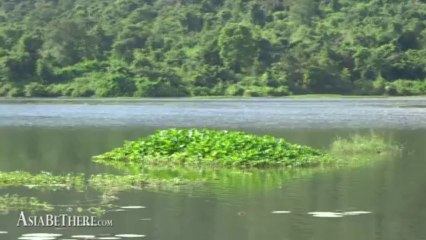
<point x="15" y="202"/>
<point x="362" y="148"/>
<point x="212" y="148"/>
<point x="42" y="180"/>
<point x="47" y="181"/>
<point x="130" y="182"/>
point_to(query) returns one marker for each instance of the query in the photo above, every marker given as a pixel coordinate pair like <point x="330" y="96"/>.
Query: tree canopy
<point x="165" y="48"/>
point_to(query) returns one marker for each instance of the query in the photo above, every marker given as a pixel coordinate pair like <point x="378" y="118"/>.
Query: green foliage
<point x="18" y="203"/>
<point x="364" y="148"/>
<point x="48" y="181"/>
<point x="237" y="46"/>
<point x="379" y="85"/>
<point x="163" y="48"/>
<point x="186" y="149"/>
<point x="114" y="85"/>
<point x="133" y="181"/>
<point x="42" y="180"/>
<point x="170" y="86"/>
<point x="360" y="144"/>
<point x="192" y="147"/>
<point x="234" y="90"/>
<point x="256" y="91"/>
<point x="406" y="87"/>
<point x="35" y="89"/>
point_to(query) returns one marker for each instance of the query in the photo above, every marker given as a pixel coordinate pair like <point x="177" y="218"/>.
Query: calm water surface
<point x="60" y="136"/>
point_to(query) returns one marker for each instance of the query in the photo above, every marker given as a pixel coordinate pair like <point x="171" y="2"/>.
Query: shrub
<point x="16" y="92"/>
<point x="406" y="87"/>
<point x="200" y="91"/>
<point x="54" y="90"/>
<point x="234" y="90"/>
<point x="256" y="91"/>
<point x="162" y="87"/>
<point x="35" y="89"/>
<point x="363" y="87"/>
<point x="114" y="85"/>
<point x="80" y="69"/>
<point x="4" y="89"/>
<point x="279" y="91"/>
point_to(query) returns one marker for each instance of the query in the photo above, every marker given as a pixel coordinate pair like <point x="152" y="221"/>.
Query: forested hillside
<point x="160" y="48"/>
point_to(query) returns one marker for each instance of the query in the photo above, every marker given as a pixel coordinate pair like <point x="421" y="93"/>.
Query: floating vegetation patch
<point x="361" y="148"/>
<point x="10" y="203"/>
<point x="189" y="148"/>
<point x="48" y="181"/>
<point x="15" y="202"/>
<point x="42" y="180"/>
<point x="129" y="182"/>
<point x="214" y="148"/>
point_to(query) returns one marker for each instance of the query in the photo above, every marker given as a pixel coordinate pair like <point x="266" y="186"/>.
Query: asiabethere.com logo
<point x="61" y="220"/>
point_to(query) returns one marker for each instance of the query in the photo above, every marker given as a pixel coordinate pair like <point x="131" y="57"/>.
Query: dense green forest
<point x="161" y="48"/>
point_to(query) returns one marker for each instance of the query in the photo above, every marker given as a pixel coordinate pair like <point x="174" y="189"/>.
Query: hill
<point x="161" y="48"/>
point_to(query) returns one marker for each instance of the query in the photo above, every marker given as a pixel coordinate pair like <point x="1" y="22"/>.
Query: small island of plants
<point x="212" y="148"/>
<point x="236" y="149"/>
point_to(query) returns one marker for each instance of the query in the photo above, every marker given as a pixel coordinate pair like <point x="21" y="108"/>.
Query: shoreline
<point x="203" y="98"/>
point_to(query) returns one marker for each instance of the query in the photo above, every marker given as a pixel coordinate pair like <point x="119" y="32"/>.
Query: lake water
<point x="61" y="136"/>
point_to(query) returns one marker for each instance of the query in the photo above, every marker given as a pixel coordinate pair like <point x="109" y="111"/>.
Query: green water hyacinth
<point x="212" y="148"/>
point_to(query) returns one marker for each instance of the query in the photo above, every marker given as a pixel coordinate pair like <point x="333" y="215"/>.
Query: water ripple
<point x="249" y="113"/>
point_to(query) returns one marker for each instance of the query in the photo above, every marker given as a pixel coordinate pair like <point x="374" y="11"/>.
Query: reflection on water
<point x="380" y="201"/>
<point x="337" y="214"/>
